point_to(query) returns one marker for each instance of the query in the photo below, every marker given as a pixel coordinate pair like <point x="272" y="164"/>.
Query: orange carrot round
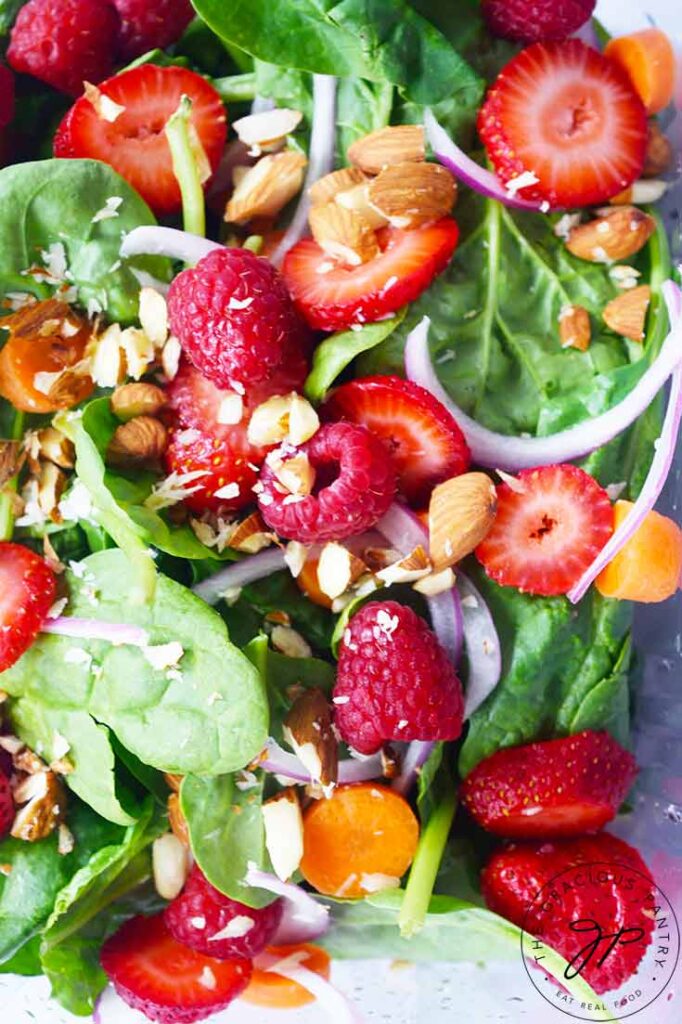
<point x="267" y="988"/>
<point x="358" y="841"/>
<point x="648" y="59"/>
<point x="309" y="585"/>
<point x="648" y="567"/>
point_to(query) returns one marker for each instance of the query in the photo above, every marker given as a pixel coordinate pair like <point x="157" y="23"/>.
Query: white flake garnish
<point x="387" y="623"/>
<point x="109" y="210"/>
<point x="174" y="488"/>
<point x="207" y="979"/>
<point x="228" y="491"/>
<point x="521" y="181"/>
<point x="76" y="503"/>
<point x="57" y="608"/>
<point x="77" y="656"/>
<point x="198" y="922"/>
<point x="614" y="491"/>
<point x="161" y="656"/>
<point x="60" y="746"/>
<point x="341" y="700"/>
<point x="231" y="409"/>
<point x="236" y="303"/>
<point x="239" y="926"/>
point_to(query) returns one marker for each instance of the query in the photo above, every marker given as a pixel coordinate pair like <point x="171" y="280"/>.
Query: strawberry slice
<point x="425" y="443"/>
<point x="331" y="296"/>
<point x="551" y="523"/>
<point x="554" y="788"/>
<point x="568" y="116"/>
<point x="166" y="981"/>
<point x="27" y="589"/>
<point x="225" y="464"/>
<point x="134" y="143"/>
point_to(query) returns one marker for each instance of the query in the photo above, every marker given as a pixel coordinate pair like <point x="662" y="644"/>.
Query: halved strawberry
<point x="425" y="443"/>
<point x="567" y="115"/>
<point x="331" y="296"/>
<point x="168" y="982"/>
<point x="228" y="472"/>
<point x="134" y="143"/>
<point x="550" y="526"/>
<point x="27" y="589"/>
<point x="553" y="788"/>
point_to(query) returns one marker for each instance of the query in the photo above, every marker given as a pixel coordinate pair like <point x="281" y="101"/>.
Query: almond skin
<point x="139" y="399"/>
<point x="615" y="235"/>
<point x="141" y="440"/>
<point x="461" y="512"/>
<point x="626" y="314"/>
<point x="308" y="729"/>
<point x="327" y="188"/>
<point x="393" y="145"/>
<point x="343" y="234"/>
<point x="411" y="194"/>
<point x="574" y="328"/>
<point x="266" y="187"/>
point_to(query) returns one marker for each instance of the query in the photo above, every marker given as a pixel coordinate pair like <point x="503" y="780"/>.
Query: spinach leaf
<point x="53" y="202"/>
<point x="208" y="715"/>
<point x="83" y="915"/>
<point x="336" y="352"/>
<point x="279" y="593"/>
<point x="39" y="871"/>
<point x="226" y="831"/>
<point x="379" y="40"/>
<point x="564" y="669"/>
<point x="280" y="673"/>
<point x="8" y="12"/>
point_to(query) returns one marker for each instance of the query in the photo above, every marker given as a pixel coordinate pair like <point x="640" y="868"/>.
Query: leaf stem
<point x="6" y="514"/>
<point x="188" y="157"/>
<point x="425" y="866"/>
<point x="236" y="88"/>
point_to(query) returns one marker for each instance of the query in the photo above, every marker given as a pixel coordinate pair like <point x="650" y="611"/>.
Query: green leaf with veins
<point x="333" y="355"/>
<point x="53" y="202"/>
<point x="280" y="673"/>
<point x="208" y="715"/>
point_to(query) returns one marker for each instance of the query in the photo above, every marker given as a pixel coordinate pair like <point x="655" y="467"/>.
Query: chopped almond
<point x="574" y="327"/>
<point x="393" y="145"/>
<point x="328" y="187"/>
<point x="626" y="314"/>
<point x="267" y="187"/>
<point x="410" y="194"/>
<point x="343" y="234"/>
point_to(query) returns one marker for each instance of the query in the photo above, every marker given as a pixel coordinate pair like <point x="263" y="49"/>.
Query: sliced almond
<point x="411" y="194"/>
<point x="295" y="555"/>
<point x="283" y="823"/>
<point x="251" y="535"/>
<point x="139" y="352"/>
<point x="393" y="145"/>
<point x="660" y="155"/>
<point x="141" y="440"/>
<point x="295" y="474"/>
<point x="11" y="460"/>
<point x="357" y="199"/>
<point x="574" y="327"/>
<point x="106" y="357"/>
<point x="646" y="190"/>
<point x="177" y="821"/>
<point x="390" y="762"/>
<point x="289" y="642"/>
<point x="337" y="569"/>
<point x="51" y="484"/>
<point x="343" y="234"/>
<point x="461" y="512"/>
<point x="56" y="447"/>
<point x="139" y="399"/>
<point x="626" y="314"/>
<point x="282" y="418"/>
<point x="268" y="129"/>
<point x="303" y="420"/>
<point x="330" y="185"/>
<point x="435" y="583"/>
<point x="44" y="809"/>
<point x="379" y="558"/>
<point x="412" y="567"/>
<point x="153" y="314"/>
<point x="170" y="865"/>
<point x="615" y="235"/>
<point x="105" y="108"/>
<point x="266" y="187"/>
<point x="309" y="732"/>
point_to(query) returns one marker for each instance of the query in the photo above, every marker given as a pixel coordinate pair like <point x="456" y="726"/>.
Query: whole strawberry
<point x="394" y="681"/>
<point x="561" y="787"/>
<point x="66" y="43"/>
<point x="234" y="318"/>
<point x="204" y="919"/>
<point x="146" y="26"/>
<point x="533" y="20"/>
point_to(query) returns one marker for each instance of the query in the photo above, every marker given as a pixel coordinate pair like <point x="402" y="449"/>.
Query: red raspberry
<point x="356" y="485"/>
<point x="233" y="316"/>
<point x="536" y="20"/>
<point x="6" y="805"/>
<point x="394" y="681"/>
<point x="65" y="44"/>
<point x="201" y="912"/>
<point x="229" y="474"/>
<point x="145" y="25"/>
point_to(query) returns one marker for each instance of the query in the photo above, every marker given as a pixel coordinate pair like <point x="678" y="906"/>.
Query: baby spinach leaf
<point x="280" y="593"/>
<point x="53" y="202"/>
<point x="83" y="914"/>
<point x="28" y="892"/>
<point x="208" y="715"/>
<point x="338" y="351"/>
<point x="8" y="12"/>
<point x="379" y="40"/>
<point x="280" y="673"/>
<point x="226" y="831"/>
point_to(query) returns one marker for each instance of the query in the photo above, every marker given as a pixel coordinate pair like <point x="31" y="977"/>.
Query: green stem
<point x="186" y="167"/>
<point x="236" y="88"/>
<point x="6" y="514"/>
<point x="425" y="866"/>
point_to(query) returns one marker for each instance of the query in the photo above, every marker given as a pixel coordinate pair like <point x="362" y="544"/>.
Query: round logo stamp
<point x="630" y="924"/>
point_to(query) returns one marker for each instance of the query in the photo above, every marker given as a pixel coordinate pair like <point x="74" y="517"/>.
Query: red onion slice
<point x="660" y="467"/>
<point x="502" y="451"/>
<point x="115" y="633"/>
<point x="405" y="532"/>
<point x="277" y="761"/>
<point x="335" y="1006"/>
<point x="171" y="242"/>
<point x="238" y="574"/>
<point x="467" y="170"/>
<point x="320" y="159"/>
<point x="304" y="919"/>
<point x="482" y="645"/>
<point x="418" y="752"/>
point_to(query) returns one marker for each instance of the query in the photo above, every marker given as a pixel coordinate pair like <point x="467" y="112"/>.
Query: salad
<point x="335" y="344"/>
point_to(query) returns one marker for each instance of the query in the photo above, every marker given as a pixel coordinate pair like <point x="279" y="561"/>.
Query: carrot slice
<point x="648" y="567"/>
<point x="358" y="840"/>
<point x="309" y="585"/>
<point x="648" y="58"/>
<point x="267" y="988"/>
